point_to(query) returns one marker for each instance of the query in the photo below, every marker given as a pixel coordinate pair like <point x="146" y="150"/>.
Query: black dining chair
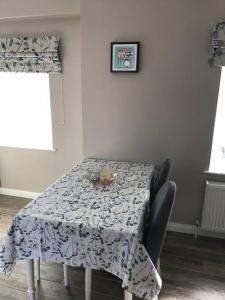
<point x="161" y="175"/>
<point x="157" y="221"/>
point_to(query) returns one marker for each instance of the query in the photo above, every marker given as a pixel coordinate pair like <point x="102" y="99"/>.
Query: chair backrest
<point x="158" y="219"/>
<point x="161" y="175"/>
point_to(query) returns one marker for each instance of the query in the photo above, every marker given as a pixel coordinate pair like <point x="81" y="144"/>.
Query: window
<point x="25" y="111"/>
<point x="217" y="161"/>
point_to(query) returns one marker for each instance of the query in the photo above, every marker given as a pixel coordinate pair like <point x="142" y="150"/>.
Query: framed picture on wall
<point x="124" y="56"/>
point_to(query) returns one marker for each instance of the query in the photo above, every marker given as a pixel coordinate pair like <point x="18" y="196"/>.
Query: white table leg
<point x="38" y="269"/>
<point x="30" y="278"/>
<point x="88" y="283"/>
<point x="127" y="295"/>
<point x="65" y="272"/>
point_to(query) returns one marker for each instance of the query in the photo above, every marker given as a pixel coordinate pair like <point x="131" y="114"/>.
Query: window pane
<point x="25" y="111"/>
<point x="217" y="161"/>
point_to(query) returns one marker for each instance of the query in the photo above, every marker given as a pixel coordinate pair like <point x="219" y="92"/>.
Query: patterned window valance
<point x="30" y="54"/>
<point x="217" y="47"/>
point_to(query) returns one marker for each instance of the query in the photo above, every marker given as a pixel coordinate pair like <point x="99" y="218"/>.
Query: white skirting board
<point x="179" y="227"/>
<point x="18" y="193"/>
<point x="190" y="229"/>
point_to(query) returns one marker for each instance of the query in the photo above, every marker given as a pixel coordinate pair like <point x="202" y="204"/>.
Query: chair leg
<point x="38" y="269"/>
<point x="30" y="278"/>
<point x="65" y="272"/>
<point x="88" y="283"/>
<point x="127" y="295"/>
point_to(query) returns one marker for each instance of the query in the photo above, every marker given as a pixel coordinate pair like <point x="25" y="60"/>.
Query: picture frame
<point x="125" y="57"/>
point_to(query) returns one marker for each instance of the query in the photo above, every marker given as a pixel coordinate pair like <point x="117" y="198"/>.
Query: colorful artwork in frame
<point x="124" y="57"/>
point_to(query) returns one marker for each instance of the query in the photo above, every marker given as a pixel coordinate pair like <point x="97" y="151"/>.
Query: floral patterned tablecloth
<point x="77" y="223"/>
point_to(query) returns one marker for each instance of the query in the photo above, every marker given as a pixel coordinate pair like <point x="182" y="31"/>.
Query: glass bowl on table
<point x="103" y="177"/>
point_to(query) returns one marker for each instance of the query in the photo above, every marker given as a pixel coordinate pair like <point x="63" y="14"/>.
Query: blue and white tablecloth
<point x="76" y="223"/>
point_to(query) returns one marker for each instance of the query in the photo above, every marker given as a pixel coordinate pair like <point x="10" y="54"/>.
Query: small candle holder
<point x="104" y="177"/>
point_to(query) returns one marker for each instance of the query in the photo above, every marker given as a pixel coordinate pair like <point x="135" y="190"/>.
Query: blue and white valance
<point x="37" y="54"/>
<point x="217" y="47"/>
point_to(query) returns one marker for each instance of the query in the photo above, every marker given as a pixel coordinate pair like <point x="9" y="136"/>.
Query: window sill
<point x="27" y="149"/>
<point x="214" y="176"/>
<point x="214" y="173"/>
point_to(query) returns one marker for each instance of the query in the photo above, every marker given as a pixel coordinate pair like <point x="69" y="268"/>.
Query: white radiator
<point x="213" y="214"/>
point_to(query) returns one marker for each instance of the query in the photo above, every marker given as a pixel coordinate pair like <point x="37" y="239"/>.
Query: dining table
<point x="81" y="224"/>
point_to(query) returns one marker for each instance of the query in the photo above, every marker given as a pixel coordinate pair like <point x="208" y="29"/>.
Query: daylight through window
<point x="217" y="161"/>
<point x="25" y="111"/>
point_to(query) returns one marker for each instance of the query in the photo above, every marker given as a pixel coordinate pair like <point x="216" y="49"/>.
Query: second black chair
<point x="158" y="219"/>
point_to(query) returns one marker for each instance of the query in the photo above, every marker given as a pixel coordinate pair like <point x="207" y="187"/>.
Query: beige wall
<point x="32" y="8"/>
<point x="168" y="108"/>
<point x="34" y="170"/>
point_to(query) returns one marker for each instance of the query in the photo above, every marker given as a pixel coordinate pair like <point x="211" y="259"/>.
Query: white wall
<point x="168" y="108"/>
<point x="32" y="170"/>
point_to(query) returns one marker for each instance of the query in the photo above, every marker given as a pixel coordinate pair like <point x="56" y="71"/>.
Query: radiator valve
<point x="197" y="225"/>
